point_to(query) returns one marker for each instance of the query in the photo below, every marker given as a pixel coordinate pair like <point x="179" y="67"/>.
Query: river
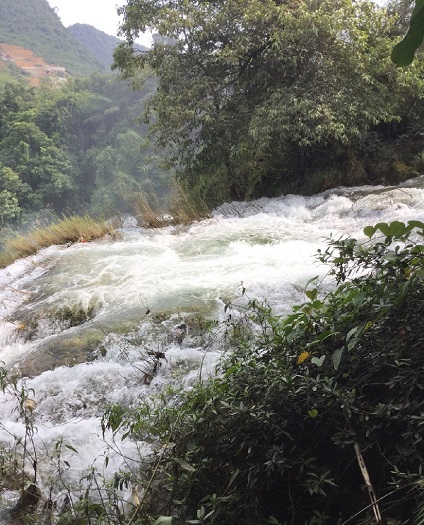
<point x="113" y="321"/>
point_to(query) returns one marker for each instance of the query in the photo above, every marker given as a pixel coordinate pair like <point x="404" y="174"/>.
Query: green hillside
<point x="100" y="44"/>
<point x="34" y="25"/>
<point x="9" y="73"/>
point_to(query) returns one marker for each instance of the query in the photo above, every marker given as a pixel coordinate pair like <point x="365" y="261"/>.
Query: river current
<point x="113" y="321"/>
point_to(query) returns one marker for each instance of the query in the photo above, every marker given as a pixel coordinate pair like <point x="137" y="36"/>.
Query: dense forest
<point x="79" y="147"/>
<point x="263" y="98"/>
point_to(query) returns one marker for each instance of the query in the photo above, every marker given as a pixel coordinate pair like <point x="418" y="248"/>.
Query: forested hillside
<point x="98" y="43"/>
<point x="34" y="25"/>
<point x="76" y="147"/>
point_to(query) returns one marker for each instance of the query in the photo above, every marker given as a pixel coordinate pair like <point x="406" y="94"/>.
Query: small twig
<point x="368" y="484"/>
<point x="365" y="474"/>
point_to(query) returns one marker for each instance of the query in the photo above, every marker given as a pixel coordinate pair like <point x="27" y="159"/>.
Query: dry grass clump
<point x="182" y="209"/>
<point x="148" y="212"/>
<point x="69" y="229"/>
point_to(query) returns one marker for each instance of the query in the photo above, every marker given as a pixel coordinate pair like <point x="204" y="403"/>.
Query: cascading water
<point x="114" y="320"/>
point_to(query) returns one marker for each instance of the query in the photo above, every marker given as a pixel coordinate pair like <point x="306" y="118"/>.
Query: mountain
<point x="99" y="43"/>
<point x="17" y="62"/>
<point x="34" y="25"/>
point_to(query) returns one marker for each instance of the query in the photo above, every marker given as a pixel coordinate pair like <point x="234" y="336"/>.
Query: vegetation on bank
<point x="66" y="230"/>
<point x="232" y="114"/>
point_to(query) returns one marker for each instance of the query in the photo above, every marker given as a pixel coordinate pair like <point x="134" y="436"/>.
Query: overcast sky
<point x="98" y="13"/>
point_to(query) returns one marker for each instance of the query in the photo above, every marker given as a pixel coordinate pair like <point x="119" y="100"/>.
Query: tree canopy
<point x="78" y="146"/>
<point x="251" y="92"/>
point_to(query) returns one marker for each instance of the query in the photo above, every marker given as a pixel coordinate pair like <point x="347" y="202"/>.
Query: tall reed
<point x="181" y="208"/>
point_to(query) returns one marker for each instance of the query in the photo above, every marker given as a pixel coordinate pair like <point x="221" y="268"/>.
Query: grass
<point x="182" y="209"/>
<point x="147" y="213"/>
<point x="147" y="210"/>
<point x="69" y="229"/>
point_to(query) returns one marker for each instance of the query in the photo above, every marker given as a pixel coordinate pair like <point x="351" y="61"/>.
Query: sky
<point x="98" y="13"/>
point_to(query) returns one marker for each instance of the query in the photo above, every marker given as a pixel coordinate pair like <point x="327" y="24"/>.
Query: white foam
<point x="265" y="246"/>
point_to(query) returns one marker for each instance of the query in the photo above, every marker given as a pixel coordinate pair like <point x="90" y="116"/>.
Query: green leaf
<point x="313" y="413"/>
<point x="416" y="224"/>
<point x="359" y="299"/>
<point x="336" y="358"/>
<point x="383" y="226"/>
<point x="352" y="332"/>
<point x="201" y="513"/>
<point x="403" y="52"/>
<point x="318" y="360"/>
<point x="232" y="370"/>
<point x="184" y="465"/>
<point x="163" y="520"/>
<point x="72" y="448"/>
<point x="397" y="228"/>
<point x="311" y="294"/>
<point x="369" y="231"/>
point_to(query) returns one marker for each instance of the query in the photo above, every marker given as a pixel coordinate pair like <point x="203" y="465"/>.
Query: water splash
<point x="145" y="293"/>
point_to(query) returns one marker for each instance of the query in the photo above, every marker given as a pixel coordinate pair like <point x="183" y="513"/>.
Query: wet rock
<point x="25" y="507"/>
<point x="63" y="350"/>
<point x="179" y="332"/>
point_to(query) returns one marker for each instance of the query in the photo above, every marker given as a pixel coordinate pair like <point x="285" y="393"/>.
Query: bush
<point x="314" y="418"/>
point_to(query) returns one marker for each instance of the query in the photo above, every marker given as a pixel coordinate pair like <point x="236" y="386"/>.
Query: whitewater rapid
<point x="147" y="292"/>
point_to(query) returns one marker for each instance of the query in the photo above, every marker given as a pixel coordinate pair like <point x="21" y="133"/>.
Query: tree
<point x="9" y="206"/>
<point x="16" y="194"/>
<point x="251" y="92"/>
<point x="39" y="163"/>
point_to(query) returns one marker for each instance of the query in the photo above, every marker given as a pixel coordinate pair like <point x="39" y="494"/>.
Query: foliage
<point x="253" y="96"/>
<point x="276" y="436"/>
<point x="74" y="147"/>
<point x="403" y="52"/>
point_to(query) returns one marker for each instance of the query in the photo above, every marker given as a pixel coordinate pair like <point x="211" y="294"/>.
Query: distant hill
<point x="34" y="25"/>
<point x="99" y="43"/>
<point x="9" y="73"/>
<point x="17" y="62"/>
